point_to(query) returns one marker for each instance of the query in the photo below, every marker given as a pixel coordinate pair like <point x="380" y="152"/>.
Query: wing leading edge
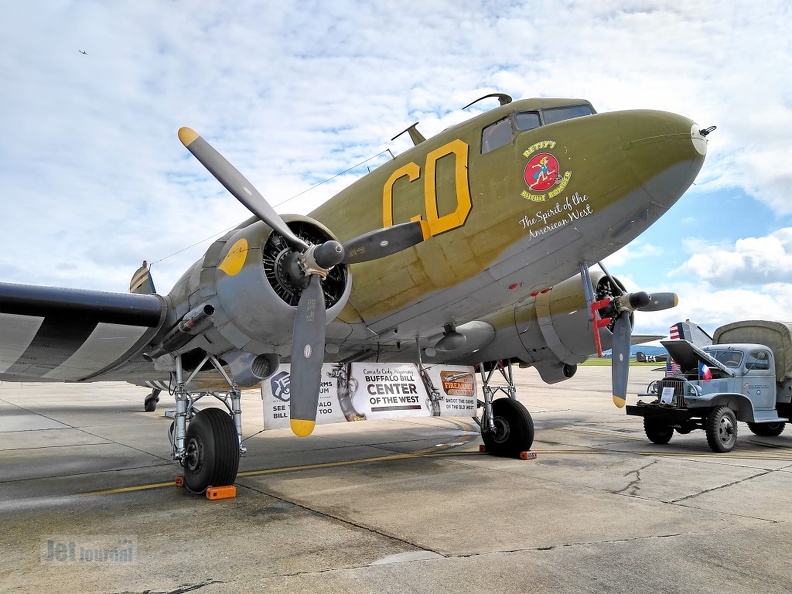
<point x="55" y="334"/>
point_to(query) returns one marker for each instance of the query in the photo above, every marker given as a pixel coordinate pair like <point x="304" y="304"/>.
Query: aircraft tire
<point x="150" y="403"/>
<point x="212" y="457"/>
<point x="767" y="429"/>
<point x="721" y="427"/>
<point x="514" y="430"/>
<point x="658" y="431"/>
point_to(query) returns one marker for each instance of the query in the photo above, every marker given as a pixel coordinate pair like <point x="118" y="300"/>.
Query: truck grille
<point x="677" y="384"/>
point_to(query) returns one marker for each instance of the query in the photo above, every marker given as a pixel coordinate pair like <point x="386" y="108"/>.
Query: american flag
<point x="672" y="367"/>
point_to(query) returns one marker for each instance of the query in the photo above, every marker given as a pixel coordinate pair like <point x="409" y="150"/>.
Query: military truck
<point x="745" y="375"/>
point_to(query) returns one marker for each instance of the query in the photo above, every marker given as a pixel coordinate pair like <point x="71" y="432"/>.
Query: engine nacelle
<point x="557" y="329"/>
<point x="247" y="276"/>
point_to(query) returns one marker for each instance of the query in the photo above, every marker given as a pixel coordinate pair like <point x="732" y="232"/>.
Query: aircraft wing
<point x="644" y="338"/>
<point x="55" y="334"/>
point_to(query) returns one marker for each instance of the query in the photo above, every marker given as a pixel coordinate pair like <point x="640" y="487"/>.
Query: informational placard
<point x="668" y="395"/>
<point x="361" y="391"/>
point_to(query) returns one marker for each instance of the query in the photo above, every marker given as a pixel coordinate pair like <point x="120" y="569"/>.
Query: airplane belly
<point x="536" y="258"/>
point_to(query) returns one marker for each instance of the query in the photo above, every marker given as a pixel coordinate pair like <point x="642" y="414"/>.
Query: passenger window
<point x="558" y="114"/>
<point x="758" y="360"/>
<point x="496" y="135"/>
<point x="527" y="120"/>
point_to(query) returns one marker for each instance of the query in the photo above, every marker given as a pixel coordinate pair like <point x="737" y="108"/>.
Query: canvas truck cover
<point x="776" y="335"/>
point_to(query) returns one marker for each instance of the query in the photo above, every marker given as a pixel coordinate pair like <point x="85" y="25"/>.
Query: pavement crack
<point x="634" y="486"/>
<point x="346" y="521"/>
<point x="180" y="589"/>
<point x="724" y="486"/>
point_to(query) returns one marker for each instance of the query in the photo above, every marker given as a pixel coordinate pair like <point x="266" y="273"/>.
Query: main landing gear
<point x="506" y="425"/>
<point x="208" y="443"/>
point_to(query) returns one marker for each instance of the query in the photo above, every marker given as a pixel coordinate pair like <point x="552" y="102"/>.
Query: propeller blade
<point x="620" y="365"/>
<point x="307" y="357"/>
<point x="384" y="242"/>
<point x="238" y="185"/>
<point x="661" y="301"/>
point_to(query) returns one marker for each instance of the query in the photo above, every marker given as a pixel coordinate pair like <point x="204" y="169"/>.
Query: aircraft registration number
<point x="458" y="149"/>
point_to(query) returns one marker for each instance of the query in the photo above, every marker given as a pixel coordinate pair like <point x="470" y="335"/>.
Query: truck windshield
<point x="729" y="357"/>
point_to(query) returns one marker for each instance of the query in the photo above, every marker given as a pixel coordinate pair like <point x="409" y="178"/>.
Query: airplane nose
<point x="665" y="152"/>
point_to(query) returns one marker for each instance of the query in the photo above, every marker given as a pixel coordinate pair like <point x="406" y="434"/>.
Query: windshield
<point x="728" y="357"/>
<point x="557" y="114"/>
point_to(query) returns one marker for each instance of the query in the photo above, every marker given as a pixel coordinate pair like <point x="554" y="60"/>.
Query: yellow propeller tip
<point x="187" y="135"/>
<point x="619" y="401"/>
<point x="302" y="428"/>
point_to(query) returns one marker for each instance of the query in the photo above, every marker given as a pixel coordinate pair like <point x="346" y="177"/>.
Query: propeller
<point x="314" y="262"/>
<point x="620" y="309"/>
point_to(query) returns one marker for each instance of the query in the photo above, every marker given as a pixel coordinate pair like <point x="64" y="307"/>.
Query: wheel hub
<point x="502" y="430"/>
<point x="194" y="454"/>
<point x="726" y="430"/>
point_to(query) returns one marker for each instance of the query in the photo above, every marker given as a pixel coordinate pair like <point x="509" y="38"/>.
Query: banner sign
<point x="361" y="391"/>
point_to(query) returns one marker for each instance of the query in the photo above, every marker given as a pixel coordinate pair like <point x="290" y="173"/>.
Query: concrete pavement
<point x="388" y="506"/>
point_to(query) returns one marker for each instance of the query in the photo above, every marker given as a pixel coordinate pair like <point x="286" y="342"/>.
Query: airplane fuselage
<point x="511" y="222"/>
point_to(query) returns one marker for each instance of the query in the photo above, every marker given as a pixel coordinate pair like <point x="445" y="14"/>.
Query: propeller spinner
<point x="314" y="262"/>
<point x="621" y="309"/>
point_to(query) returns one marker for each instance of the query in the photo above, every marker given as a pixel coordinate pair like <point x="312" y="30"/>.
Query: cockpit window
<point x="496" y="135"/>
<point x="501" y="132"/>
<point x="558" y="114"/>
<point x="527" y="120"/>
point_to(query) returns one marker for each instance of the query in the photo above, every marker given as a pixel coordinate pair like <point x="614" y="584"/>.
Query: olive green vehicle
<point x="473" y="247"/>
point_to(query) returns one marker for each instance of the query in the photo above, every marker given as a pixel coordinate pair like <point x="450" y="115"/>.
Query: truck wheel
<point x="767" y="429"/>
<point x="721" y="427"/>
<point x="658" y="431"/>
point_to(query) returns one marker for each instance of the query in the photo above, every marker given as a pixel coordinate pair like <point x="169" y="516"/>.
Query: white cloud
<point x="711" y="308"/>
<point x="633" y="251"/>
<point x="94" y="179"/>
<point x="746" y="263"/>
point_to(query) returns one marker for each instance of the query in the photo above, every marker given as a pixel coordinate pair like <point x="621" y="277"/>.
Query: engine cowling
<point x="245" y="276"/>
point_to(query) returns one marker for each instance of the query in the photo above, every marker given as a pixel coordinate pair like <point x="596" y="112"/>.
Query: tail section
<point x="691" y="332"/>
<point x="141" y="281"/>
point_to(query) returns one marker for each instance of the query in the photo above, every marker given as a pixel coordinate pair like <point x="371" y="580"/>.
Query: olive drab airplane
<point x="473" y="247"/>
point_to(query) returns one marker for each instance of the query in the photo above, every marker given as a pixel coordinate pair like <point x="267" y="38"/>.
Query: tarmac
<point x="88" y="504"/>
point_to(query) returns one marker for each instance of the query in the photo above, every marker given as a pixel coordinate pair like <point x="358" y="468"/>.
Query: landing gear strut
<point x="208" y="443"/>
<point x="506" y="425"/>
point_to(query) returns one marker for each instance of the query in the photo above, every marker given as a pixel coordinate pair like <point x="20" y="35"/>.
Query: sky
<point x="303" y="96"/>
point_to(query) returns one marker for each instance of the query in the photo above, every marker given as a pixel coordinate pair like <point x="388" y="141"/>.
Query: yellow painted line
<point x="741" y="456"/>
<point x="131" y="489"/>
<point x="426" y="452"/>
<point x="328" y="464"/>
